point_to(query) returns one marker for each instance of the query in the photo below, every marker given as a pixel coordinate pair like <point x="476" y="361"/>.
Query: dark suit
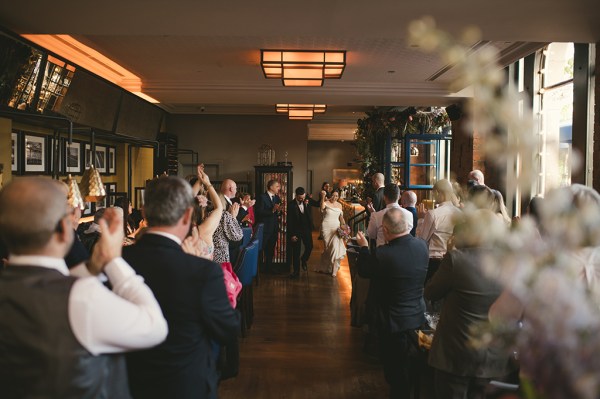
<point x="397" y="276"/>
<point x="378" y="202"/>
<point x="299" y="224"/>
<point x="191" y="294"/>
<point x="264" y="214"/>
<point x="468" y="295"/>
<point x="413" y="210"/>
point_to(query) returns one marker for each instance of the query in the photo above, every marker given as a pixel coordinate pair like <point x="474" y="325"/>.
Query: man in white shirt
<point x="391" y="193"/>
<point x="57" y="329"/>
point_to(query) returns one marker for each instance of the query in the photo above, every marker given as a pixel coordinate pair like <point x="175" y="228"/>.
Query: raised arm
<point x="323" y="197"/>
<point x="210" y="224"/>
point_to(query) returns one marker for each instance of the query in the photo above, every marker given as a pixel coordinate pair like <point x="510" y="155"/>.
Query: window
<point x="556" y="117"/>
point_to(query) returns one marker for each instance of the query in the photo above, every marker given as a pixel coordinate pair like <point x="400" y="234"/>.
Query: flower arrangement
<point x="548" y="266"/>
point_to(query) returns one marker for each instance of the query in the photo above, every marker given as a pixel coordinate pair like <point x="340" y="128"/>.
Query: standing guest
<point x="129" y="226"/>
<point x="461" y="369"/>
<point x="408" y="200"/>
<point x="377" y="202"/>
<point x="397" y="274"/>
<point x="228" y="198"/>
<point x="227" y="232"/>
<point x="437" y="225"/>
<point x="299" y="230"/>
<point x="333" y="220"/>
<point x="58" y="330"/>
<point x="247" y="204"/>
<point x="268" y="207"/>
<point x="476" y="178"/>
<point x="391" y="192"/>
<point x="192" y="296"/>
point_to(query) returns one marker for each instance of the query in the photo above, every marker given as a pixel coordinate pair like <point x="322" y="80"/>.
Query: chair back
<point x="247" y="236"/>
<point x="258" y="234"/>
<point x="248" y="261"/>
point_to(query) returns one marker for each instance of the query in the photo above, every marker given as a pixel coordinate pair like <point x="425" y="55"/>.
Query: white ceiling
<point x="197" y="56"/>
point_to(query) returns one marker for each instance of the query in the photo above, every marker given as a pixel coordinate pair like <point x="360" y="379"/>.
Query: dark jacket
<point x="298" y="223"/>
<point x="468" y="295"/>
<point x="191" y="294"/>
<point x="378" y="202"/>
<point x="397" y="276"/>
<point x="264" y="212"/>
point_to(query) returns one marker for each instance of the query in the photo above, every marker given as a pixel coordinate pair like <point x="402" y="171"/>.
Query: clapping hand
<point x="421" y="210"/>
<point x="276" y="208"/>
<point x="234" y="209"/>
<point x="110" y="243"/>
<point x="361" y="240"/>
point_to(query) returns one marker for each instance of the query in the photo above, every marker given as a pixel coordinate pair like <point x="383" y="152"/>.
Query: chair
<point x="245" y="270"/>
<point x="258" y="235"/>
<point x="247" y="236"/>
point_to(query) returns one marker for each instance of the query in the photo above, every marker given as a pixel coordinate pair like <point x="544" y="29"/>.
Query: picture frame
<point x="100" y="163"/>
<point x="111" y="160"/>
<point x="73" y="159"/>
<point x="15" y="165"/>
<point x="109" y="200"/>
<point x="34" y="154"/>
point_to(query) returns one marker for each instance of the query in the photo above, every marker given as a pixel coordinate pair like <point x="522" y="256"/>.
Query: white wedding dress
<point x="335" y="250"/>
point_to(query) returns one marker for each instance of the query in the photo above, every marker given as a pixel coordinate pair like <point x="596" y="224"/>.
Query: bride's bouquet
<point x="344" y="232"/>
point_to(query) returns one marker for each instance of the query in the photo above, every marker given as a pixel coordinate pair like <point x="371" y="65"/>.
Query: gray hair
<point x="30" y="210"/>
<point x="394" y="222"/>
<point x="166" y="199"/>
<point x="409" y="198"/>
<point x="379" y="178"/>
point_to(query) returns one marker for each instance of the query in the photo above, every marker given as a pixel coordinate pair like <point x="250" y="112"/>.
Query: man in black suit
<point x="397" y="274"/>
<point x="299" y="230"/>
<point x="267" y="210"/>
<point x="191" y="293"/>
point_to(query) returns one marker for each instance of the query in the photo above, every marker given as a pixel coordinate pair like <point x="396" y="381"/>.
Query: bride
<point x="333" y="218"/>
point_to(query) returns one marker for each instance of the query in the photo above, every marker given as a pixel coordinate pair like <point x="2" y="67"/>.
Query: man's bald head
<point x="30" y="211"/>
<point x="378" y="180"/>
<point x="228" y="188"/>
<point x="409" y="198"/>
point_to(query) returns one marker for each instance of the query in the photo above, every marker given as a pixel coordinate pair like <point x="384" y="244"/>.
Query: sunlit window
<point x="556" y="117"/>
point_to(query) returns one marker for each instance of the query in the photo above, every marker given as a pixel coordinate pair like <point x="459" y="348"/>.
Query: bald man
<point x="58" y="329"/>
<point x="408" y="201"/>
<point x="476" y="178"/>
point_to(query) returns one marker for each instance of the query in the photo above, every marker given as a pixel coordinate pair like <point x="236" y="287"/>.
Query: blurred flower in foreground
<point x="550" y="310"/>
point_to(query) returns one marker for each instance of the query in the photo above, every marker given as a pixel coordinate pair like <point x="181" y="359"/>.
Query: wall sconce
<point x="301" y="111"/>
<point x="303" y="67"/>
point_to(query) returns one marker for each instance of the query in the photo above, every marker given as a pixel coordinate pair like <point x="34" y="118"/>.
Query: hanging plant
<point x="373" y="129"/>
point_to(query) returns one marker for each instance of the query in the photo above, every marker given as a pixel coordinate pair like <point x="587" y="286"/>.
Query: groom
<point x="299" y="230"/>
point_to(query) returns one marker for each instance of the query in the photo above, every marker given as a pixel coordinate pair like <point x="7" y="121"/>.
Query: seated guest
<point x="462" y="370"/>
<point x="57" y="330"/>
<point x="192" y="296"/>
<point x="92" y="234"/>
<point x="397" y="274"/>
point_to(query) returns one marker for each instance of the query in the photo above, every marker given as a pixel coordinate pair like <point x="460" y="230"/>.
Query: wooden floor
<point x="301" y="345"/>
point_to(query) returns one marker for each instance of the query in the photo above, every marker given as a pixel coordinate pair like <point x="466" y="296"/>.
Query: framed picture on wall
<point x="110" y="188"/>
<point x="15" y="154"/>
<point x="111" y="160"/>
<point x="35" y="155"/>
<point x="100" y="163"/>
<point x="73" y="160"/>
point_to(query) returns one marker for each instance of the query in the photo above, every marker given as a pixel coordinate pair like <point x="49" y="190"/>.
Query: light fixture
<point x="74" y="198"/>
<point x="301" y="111"/>
<point x="91" y="185"/>
<point x="303" y="67"/>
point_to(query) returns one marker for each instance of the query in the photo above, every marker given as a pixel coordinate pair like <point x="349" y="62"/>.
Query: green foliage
<point x="373" y="129"/>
